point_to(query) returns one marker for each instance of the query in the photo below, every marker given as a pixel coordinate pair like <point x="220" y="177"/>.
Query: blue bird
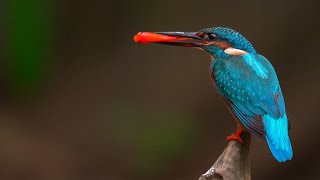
<point x="245" y="79"/>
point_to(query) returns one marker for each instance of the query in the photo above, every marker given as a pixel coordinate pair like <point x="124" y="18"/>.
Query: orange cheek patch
<point x="222" y="44"/>
<point x="148" y="37"/>
<point x="227" y="48"/>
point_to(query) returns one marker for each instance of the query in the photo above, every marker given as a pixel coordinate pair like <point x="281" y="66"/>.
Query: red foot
<point x="236" y="136"/>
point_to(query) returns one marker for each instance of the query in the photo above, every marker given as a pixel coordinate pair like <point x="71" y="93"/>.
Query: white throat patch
<point x="235" y="52"/>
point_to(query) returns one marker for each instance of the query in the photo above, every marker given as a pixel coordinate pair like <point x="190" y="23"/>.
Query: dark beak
<point x="184" y="39"/>
<point x="188" y="35"/>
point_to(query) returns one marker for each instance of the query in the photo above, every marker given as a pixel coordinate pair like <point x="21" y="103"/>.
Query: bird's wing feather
<point x="253" y="122"/>
<point x="251" y="88"/>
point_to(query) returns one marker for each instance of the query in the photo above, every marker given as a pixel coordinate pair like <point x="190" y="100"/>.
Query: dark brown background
<point x="113" y="109"/>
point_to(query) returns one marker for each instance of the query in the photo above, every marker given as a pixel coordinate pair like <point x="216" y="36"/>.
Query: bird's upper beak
<point x="184" y="39"/>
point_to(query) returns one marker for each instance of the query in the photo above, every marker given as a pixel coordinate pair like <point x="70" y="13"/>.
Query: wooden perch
<point x="233" y="163"/>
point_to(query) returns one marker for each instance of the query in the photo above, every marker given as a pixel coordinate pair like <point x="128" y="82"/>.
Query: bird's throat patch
<point x="235" y="52"/>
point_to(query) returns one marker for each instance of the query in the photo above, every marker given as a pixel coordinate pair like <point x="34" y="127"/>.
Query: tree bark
<point x="233" y="163"/>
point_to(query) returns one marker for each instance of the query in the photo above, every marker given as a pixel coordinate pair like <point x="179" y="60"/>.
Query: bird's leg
<point x="236" y="135"/>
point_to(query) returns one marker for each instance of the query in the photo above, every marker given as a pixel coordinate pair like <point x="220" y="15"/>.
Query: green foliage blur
<point x="29" y="38"/>
<point x="160" y="138"/>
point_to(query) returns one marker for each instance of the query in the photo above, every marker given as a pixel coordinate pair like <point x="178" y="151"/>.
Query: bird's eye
<point x="212" y="36"/>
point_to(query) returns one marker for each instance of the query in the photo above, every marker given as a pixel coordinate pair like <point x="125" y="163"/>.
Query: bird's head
<point x="218" y="41"/>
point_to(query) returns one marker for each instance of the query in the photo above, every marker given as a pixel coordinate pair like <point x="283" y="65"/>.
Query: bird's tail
<point x="278" y="138"/>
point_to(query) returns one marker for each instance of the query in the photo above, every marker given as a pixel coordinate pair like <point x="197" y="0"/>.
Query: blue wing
<point x="251" y="89"/>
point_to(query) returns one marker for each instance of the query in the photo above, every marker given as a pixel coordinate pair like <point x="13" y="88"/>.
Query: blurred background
<point x="80" y="100"/>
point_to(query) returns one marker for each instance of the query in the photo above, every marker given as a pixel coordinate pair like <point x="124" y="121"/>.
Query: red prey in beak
<point x="169" y="38"/>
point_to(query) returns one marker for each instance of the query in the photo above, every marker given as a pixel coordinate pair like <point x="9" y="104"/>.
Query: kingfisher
<point x="245" y="79"/>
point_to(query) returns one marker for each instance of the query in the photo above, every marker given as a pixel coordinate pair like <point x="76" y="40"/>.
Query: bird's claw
<point x="236" y="136"/>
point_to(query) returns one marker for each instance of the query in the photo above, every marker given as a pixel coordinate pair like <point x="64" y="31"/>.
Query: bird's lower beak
<point x="183" y="39"/>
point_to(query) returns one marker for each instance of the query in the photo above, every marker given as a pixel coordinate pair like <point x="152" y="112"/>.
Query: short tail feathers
<point x="278" y="138"/>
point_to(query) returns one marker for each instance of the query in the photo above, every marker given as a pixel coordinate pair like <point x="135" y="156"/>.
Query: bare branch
<point x="233" y="163"/>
